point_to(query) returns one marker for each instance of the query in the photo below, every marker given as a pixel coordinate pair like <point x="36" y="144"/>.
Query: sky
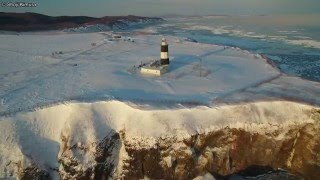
<point x="99" y="8"/>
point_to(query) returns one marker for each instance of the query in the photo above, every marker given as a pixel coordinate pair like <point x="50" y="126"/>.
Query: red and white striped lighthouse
<point x="164" y="55"/>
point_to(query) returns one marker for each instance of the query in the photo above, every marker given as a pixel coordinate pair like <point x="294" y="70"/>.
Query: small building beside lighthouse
<point x="158" y="67"/>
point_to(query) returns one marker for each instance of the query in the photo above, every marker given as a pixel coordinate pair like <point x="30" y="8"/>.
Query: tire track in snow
<point x="166" y="85"/>
<point x="254" y="85"/>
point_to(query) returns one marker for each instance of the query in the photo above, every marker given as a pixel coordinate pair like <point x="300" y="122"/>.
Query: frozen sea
<point x="292" y="42"/>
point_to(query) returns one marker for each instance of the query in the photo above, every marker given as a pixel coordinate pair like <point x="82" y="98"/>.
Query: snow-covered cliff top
<point x="42" y="69"/>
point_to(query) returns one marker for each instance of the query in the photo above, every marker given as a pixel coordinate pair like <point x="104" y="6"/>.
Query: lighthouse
<point x="164" y="54"/>
<point x="158" y="67"/>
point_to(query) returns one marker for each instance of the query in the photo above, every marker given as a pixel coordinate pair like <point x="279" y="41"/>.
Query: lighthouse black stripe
<point x="165" y="61"/>
<point x="164" y="48"/>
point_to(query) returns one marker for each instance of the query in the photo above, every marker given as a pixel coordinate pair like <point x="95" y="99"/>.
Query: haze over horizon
<point x="99" y="8"/>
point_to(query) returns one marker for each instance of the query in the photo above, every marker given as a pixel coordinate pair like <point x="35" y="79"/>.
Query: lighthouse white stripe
<point x="164" y="55"/>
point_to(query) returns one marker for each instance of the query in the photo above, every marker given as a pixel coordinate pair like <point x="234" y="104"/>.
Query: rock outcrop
<point x="71" y="156"/>
<point x="35" y="173"/>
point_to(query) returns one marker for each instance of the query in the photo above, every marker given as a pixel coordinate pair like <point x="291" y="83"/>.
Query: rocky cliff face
<point x="228" y="151"/>
<point x="92" y="141"/>
<point x="221" y="153"/>
<point x="105" y="162"/>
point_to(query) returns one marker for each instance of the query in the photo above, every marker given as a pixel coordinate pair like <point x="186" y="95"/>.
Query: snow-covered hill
<point x="123" y="24"/>
<point x="28" y="22"/>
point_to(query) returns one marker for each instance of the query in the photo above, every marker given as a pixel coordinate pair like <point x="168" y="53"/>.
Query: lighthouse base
<point x="154" y="68"/>
<point x="156" y="71"/>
